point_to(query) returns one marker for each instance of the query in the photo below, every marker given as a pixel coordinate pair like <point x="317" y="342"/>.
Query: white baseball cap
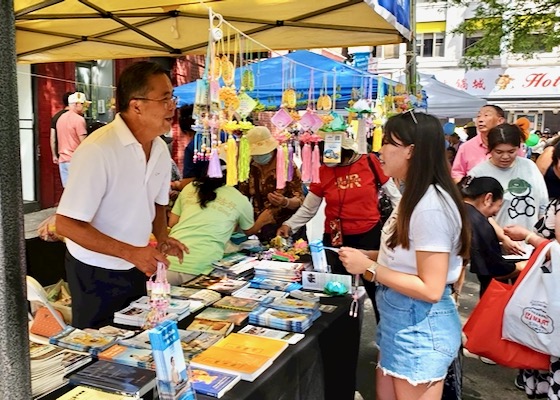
<point x="77" y="97"/>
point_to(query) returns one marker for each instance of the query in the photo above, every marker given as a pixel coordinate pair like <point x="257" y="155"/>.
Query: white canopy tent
<point x="445" y="101"/>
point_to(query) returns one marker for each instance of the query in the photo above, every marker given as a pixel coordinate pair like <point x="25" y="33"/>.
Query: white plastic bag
<point x="532" y="316"/>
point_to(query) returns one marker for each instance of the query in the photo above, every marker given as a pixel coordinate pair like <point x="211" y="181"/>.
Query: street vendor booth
<point x="74" y="30"/>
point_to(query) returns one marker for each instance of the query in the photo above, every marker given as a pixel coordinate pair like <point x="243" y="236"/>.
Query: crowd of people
<point x="455" y="202"/>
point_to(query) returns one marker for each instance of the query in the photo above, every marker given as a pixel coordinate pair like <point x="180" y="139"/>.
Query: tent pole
<point x="411" y="73"/>
<point x="14" y="342"/>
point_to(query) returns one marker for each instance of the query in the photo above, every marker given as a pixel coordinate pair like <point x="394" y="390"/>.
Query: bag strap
<point x="374" y="170"/>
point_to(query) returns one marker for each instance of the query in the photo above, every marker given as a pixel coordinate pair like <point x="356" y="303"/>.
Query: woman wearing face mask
<point x="352" y="218"/>
<point x="525" y="193"/>
<point x="261" y="186"/>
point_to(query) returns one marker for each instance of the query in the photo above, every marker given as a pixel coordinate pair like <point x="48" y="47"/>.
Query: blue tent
<point x="298" y="70"/>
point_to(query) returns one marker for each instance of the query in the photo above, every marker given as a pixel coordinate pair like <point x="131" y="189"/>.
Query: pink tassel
<point x="214" y="168"/>
<point x="280" y="168"/>
<point x="306" y="163"/>
<point x="315" y="164"/>
<point x="290" y="162"/>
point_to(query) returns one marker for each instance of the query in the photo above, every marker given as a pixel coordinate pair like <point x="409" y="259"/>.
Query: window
<point x="474" y="38"/>
<point x="534" y="42"/>
<point x="430" y="44"/>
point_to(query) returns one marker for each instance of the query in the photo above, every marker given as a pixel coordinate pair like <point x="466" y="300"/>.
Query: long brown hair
<point x="428" y="166"/>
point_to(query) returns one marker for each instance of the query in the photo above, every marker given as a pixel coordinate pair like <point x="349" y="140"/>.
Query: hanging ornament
<point x="315" y="164"/>
<point x="231" y="176"/>
<point x="244" y="159"/>
<point x="228" y="71"/>
<point x="306" y="163"/>
<point x="248" y="80"/>
<point x="214" y="167"/>
<point x="158" y="290"/>
<point x="280" y="168"/>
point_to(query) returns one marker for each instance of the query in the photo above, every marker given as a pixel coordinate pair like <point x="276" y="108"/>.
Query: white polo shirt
<point x="112" y="187"/>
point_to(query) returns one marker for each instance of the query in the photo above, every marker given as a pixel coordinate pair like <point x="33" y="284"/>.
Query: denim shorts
<point x="418" y="340"/>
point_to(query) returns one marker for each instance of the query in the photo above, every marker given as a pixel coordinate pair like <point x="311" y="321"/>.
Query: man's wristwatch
<point x="371" y="273"/>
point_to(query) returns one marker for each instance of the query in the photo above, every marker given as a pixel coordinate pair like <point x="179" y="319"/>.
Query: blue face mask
<point x="263" y="159"/>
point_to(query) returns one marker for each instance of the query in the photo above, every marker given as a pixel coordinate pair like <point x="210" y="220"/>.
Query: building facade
<point x="522" y="87"/>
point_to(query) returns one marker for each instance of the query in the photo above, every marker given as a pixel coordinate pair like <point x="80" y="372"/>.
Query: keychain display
<point x="159" y="292"/>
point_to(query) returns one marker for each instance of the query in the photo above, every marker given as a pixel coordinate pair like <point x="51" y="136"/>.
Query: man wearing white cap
<point x="71" y="129"/>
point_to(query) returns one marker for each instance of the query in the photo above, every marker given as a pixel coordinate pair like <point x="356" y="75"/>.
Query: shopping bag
<point x="532" y="315"/>
<point x="484" y="327"/>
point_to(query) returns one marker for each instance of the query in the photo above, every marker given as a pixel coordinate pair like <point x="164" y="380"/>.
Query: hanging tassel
<point x="290" y="162"/>
<point x="214" y="168"/>
<point x="315" y="164"/>
<point x="286" y="159"/>
<point x="306" y="163"/>
<point x="244" y="159"/>
<point x="377" y="136"/>
<point x="231" y="177"/>
<point x="280" y="168"/>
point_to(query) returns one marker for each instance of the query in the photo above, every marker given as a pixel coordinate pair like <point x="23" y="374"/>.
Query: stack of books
<point x="216" y="283"/>
<point x="274" y="284"/>
<point x="223" y="315"/>
<point x="286" y="314"/>
<point x="90" y="341"/>
<point x="135" y="357"/>
<point x="115" y="378"/>
<point x="89" y="393"/>
<point x="235" y="265"/>
<point x="278" y="270"/>
<point x="176" y="306"/>
<point x="49" y="365"/>
<point x="246" y="355"/>
<point x="211" y="382"/>
<point x="237" y="303"/>
<point x="135" y="316"/>
<point x="258" y="294"/>
<point x="290" y="337"/>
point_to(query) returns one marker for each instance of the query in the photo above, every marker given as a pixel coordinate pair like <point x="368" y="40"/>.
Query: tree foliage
<point x="524" y="28"/>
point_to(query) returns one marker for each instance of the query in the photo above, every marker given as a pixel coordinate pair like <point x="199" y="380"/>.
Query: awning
<point x="74" y="30"/>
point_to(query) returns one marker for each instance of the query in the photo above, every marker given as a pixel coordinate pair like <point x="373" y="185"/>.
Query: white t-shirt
<point x="435" y="226"/>
<point x="525" y="194"/>
<point x="112" y="187"/>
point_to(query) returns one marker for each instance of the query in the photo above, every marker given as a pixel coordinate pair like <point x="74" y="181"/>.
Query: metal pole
<point x="411" y="75"/>
<point x="14" y="341"/>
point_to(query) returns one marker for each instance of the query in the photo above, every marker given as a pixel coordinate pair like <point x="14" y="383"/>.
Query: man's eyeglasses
<point x="166" y="101"/>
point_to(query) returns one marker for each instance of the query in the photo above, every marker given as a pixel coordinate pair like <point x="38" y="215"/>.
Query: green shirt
<point x="205" y="231"/>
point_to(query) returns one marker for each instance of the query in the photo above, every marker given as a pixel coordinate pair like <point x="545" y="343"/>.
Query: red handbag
<point x="484" y="327"/>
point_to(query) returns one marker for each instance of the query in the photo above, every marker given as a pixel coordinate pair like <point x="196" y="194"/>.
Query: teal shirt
<point x="205" y="231"/>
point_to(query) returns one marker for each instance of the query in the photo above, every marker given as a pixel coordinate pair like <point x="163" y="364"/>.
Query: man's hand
<point x="173" y="247"/>
<point x="55" y="160"/>
<point x="146" y="259"/>
<point x="283" y="231"/>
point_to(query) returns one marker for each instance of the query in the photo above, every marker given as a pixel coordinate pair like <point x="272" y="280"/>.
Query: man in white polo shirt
<point x="115" y="197"/>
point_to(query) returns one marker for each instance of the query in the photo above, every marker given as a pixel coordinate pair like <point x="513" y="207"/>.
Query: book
<point x="171" y="369"/>
<point x="212" y="383"/>
<point x="291" y="305"/>
<point x="236" y="303"/>
<point x="248" y="366"/>
<point x="172" y="381"/>
<point x="115" y="378"/>
<point x="222" y="314"/>
<point x="255" y="345"/>
<point x="176" y="306"/>
<point x="135" y="316"/>
<point x="216" y="283"/>
<point x="129" y="356"/>
<point x="232" y="259"/>
<point x="206" y="325"/>
<point x="193" y="342"/>
<point x="273" y="284"/>
<point x="258" y="294"/>
<point x="283" y="320"/>
<point x="290" y="337"/>
<point x="80" y="340"/>
<point x="88" y="393"/>
<point x="206" y="296"/>
<point x="183" y="293"/>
